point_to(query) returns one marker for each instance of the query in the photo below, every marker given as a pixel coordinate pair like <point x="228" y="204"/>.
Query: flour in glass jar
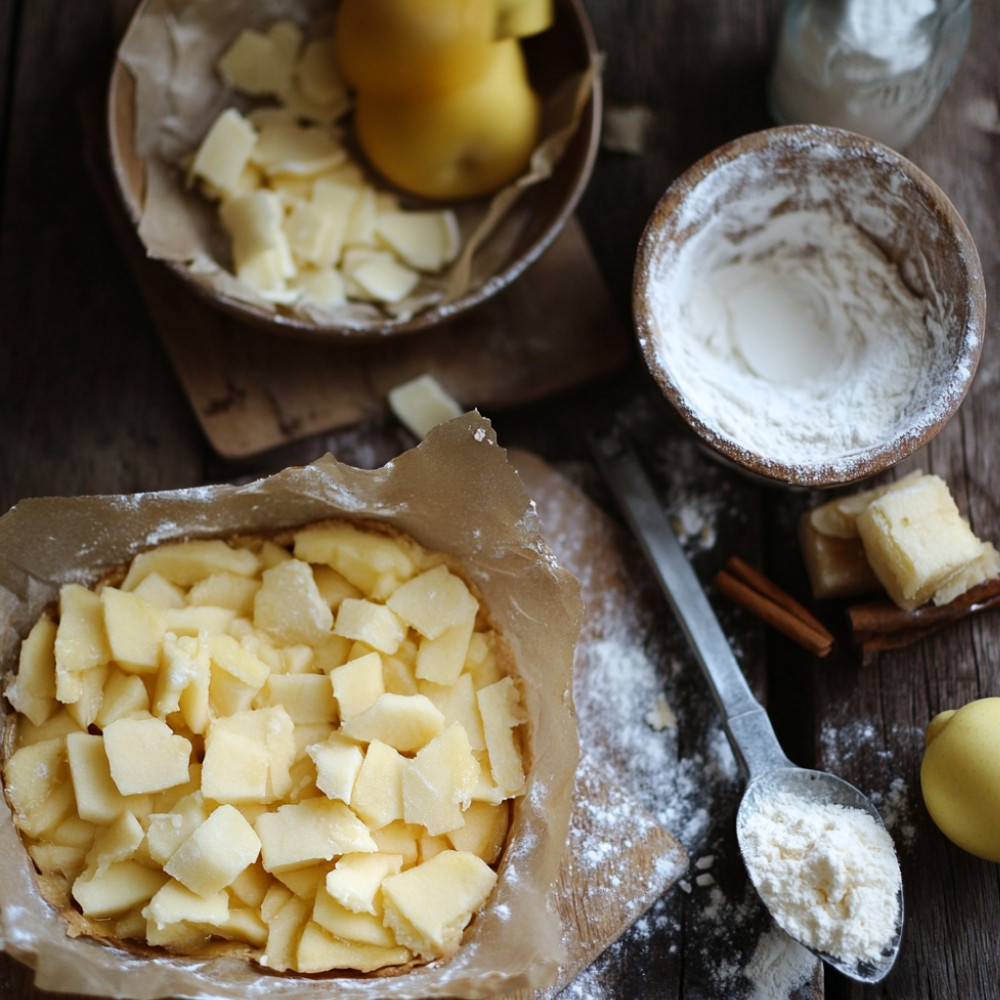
<point x="801" y="341"/>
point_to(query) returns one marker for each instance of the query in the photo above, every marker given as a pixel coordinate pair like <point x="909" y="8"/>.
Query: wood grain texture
<point x="89" y="403"/>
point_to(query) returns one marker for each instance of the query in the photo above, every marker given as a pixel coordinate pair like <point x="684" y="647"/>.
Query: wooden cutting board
<point x="619" y="859"/>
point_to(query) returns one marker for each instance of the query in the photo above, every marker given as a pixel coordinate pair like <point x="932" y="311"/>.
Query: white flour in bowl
<point x="801" y="342"/>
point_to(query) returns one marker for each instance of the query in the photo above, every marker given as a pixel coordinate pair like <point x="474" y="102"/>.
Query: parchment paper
<point x="171" y="50"/>
<point x="456" y="493"/>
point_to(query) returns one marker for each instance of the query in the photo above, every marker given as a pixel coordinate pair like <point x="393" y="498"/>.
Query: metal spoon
<point x="769" y="771"/>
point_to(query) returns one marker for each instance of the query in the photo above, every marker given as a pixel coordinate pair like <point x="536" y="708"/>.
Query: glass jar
<point x="878" y="67"/>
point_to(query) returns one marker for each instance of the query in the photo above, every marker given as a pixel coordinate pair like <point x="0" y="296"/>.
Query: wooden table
<point x="89" y="403"/>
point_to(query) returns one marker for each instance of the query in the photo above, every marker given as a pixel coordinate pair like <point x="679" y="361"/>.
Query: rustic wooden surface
<point x="89" y="403"/>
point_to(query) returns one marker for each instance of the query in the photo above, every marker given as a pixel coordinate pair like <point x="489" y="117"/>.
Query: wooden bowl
<point x="521" y="238"/>
<point x="738" y="204"/>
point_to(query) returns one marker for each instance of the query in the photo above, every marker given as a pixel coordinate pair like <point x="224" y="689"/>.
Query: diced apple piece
<point x="457" y="702"/>
<point x="80" y="639"/>
<point x="242" y="924"/>
<point x="257" y="64"/>
<point x="338" y="763"/>
<point x="225" y="151"/>
<point x="123" y="694"/>
<point x="483" y="663"/>
<point x="350" y="925"/>
<point x="90" y="695"/>
<point x="501" y="712"/>
<point x="307" y="698"/>
<point x="425" y="240"/>
<point x="116" y="888"/>
<point x="357" y="685"/>
<point x="289" y="606"/>
<point x="439" y="781"/>
<point x="146" y="755"/>
<point x="378" y="791"/>
<point x="198" y="619"/>
<point x="484" y="831"/>
<point x="319" y="951"/>
<point x="442" y="658"/>
<point x="405" y="722"/>
<point x="117" y="842"/>
<point x="157" y="590"/>
<point x="434" y="601"/>
<point x="429" y="906"/>
<point x="374" y="624"/>
<point x="356" y="880"/>
<point x="248" y="756"/>
<point x="135" y="630"/>
<point x="185" y="664"/>
<point x="238" y="661"/>
<point x="98" y="799"/>
<point x="304" y="882"/>
<point x="38" y="785"/>
<point x="312" y="830"/>
<point x="175" y="903"/>
<point x="374" y="563"/>
<point x="251" y="886"/>
<point x="185" y="563"/>
<point x="33" y="691"/>
<point x="215" y="853"/>
<point x="399" y="838"/>
<point x="285" y="928"/>
<point x="225" y="590"/>
<point x="59" y="859"/>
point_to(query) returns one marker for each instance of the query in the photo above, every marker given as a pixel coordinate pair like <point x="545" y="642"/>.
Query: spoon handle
<point x="746" y="722"/>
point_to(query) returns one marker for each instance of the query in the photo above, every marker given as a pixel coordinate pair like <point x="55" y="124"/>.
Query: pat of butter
<point x="225" y="151"/>
<point x="376" y="274"/>
<point x="287" y="148"/>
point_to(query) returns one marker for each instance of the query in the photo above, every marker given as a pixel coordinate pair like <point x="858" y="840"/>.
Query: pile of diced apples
<point x="304" y="224"/>
<point x="306" y="744"/>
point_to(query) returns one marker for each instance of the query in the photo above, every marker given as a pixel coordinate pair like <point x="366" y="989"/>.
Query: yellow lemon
<point x="409" y="47"/>
<point x="960" y="776"/>
<point x="462" y="143"/>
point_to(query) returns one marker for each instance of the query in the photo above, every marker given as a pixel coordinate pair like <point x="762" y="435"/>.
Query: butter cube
<point x="377" y="275"/>
<point x="286" y="147"/>
<point x="421" y="403"/>
<point x="916" y="540"/>
<point x="308" y="831"/>
<point x="145" y="755"/>
<point x="429" y="906"/>
<point x="215" y="852"/>
<point x="260" y="63"/>
<point x="433" y="602"/>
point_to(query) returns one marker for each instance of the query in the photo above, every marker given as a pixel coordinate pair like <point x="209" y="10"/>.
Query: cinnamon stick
<point x="765" y="599"/>
<point x="881" y="625"/>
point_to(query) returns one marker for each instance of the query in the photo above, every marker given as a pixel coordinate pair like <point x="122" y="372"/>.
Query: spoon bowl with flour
<point x="815" y="848"/>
